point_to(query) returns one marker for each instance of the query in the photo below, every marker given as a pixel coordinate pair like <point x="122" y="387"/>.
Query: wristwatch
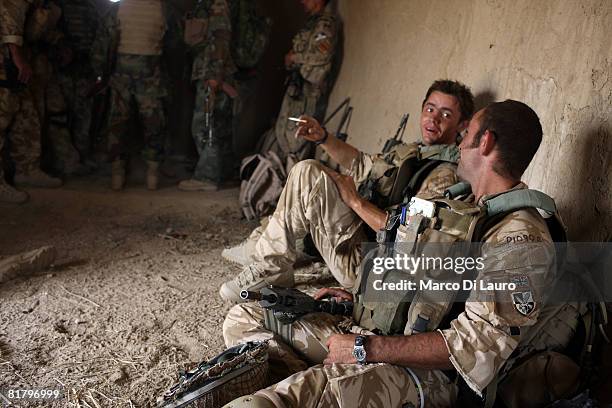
<point x="359" y="351"/>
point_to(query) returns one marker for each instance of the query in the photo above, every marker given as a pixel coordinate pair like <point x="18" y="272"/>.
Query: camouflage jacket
<point x="104" y="47"/>
<point x="26" y="23"/>
<point x="212" y="57"/>
<point x="79" y="24"/>
<point x="494" y="328"/>
<point x="314" y="47"/>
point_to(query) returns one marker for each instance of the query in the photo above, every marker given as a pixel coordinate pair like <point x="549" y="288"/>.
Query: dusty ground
<point x="132" y="297"/>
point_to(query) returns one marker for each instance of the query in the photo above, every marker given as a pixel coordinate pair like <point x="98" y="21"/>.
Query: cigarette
<point x="297" y="120"/>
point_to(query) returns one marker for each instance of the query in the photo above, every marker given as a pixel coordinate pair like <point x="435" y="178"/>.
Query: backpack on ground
<point x="262" y="178"/>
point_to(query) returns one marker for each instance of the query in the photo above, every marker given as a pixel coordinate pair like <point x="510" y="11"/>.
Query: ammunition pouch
<point x="238" y="371"/>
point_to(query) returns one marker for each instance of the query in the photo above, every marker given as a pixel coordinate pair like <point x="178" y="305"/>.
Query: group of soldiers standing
<point x="54" y="50"/>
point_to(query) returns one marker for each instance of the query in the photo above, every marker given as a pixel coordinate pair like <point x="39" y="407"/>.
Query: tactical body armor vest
<point x="142" y="25"/>
<point x="402" y="171"/>
<point x="441" y="221"/>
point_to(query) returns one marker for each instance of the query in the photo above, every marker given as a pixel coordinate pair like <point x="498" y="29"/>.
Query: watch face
<point x="359" y="354"/>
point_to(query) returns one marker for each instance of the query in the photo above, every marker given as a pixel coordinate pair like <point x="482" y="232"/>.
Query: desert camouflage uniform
<point x="18" y="116"/>
<point x="80" y="20"/>
<point x="44" y="43"/>
<point x="314" y="48"/>
<point x="213" y="60"/>
<point x="480" y="340"/>
<point x="311" y="203"/>
<point x="136" y="74"/>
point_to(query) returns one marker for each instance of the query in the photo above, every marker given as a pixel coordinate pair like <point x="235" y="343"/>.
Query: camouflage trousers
<point x="53" y="116"/>
<point x="309" y="102"/>
<point x="75" y="86"/>
<point x="137" y="80"/>
<point x="19" y="123"/>
<point x="215" y="151"/>
<point x="310" y="203"/>
<point x="336" y="385"/>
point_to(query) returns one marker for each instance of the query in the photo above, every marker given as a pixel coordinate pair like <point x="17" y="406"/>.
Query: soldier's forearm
<point x="341" y="152"/>
<point x="424" y="350"/>
<point x="369" y="213"/>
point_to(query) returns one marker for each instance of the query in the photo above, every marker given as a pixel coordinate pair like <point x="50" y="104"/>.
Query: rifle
<point x="288" y="304"/>
<point x="397" y="139"/>
<point x="368" y="189"/>
<point x="207" y="132"/>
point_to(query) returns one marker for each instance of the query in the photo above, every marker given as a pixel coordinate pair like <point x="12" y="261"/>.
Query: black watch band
<point x="324" y="139"/>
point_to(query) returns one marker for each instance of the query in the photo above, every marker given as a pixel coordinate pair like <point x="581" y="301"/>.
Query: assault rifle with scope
<point x="289" y="304"/>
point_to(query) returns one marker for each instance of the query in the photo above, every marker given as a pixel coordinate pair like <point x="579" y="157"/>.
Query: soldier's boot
<point x="118" y="175"/>
<point x="242" y="254"/>
<point x="197" y="185"/>
<point x="9" y="194"/>
<point x="37" y="178"/>
<point x="152" y="175"/>
<point x="250" y="401"/>
<point x="252" y="278"/>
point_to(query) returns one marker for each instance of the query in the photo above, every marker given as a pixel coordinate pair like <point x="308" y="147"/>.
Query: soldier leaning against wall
<point x="19" y="119"/>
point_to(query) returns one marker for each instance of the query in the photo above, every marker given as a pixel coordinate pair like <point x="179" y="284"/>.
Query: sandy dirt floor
<point x="131" y="299"/>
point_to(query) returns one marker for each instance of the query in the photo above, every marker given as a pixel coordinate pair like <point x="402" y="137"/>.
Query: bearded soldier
<point x="18" y="116"/>
<point x="127" y="52"/>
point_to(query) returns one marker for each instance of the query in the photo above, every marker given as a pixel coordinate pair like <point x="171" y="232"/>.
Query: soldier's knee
<point x="250" y="401"/>
<point x="306" y="168"/>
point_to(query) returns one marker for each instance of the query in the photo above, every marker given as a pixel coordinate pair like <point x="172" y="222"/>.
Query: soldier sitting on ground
<point x="311" y="203"/>
<point x="434" y="355"/>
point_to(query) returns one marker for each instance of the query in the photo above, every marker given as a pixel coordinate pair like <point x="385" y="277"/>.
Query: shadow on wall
<point x="483" y="99"/>
<point x="590" y="211"/>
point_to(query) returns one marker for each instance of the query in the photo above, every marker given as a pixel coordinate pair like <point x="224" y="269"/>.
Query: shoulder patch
<point x="523" y="302"/>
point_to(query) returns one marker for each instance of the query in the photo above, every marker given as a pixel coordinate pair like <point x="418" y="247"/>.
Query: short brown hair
<point x="518" y="134"/>
<point x="459" y="91"/>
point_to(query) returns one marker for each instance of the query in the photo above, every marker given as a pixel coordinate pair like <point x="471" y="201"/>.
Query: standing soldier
<point x="127" y="52"/>
<point x="79" y="22"/>
<point x="309" y="64"/>
<point x="212" y="72"/>
<point x="48" y="45"/>
<point x="18" y="116"/>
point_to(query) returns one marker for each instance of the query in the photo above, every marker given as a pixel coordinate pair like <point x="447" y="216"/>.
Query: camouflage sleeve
<point x="436" y="182"/>
<point x="315" y="61"/>
<point x="12" y="21"/>
<point x="215" y="59"/>
<point x="106" y="37"/>
<point x="518" y="252"/>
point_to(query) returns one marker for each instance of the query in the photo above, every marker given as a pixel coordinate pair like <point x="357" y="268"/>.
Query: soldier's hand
<point x="337" y="294"/>
<point x="289" y="60"/>
<point x="310" y="130"/>
<point x="24" y="69"/>
<point x="340" y="348"/>
<point x="229" y="90"/>
<point x="346" y="187"/>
